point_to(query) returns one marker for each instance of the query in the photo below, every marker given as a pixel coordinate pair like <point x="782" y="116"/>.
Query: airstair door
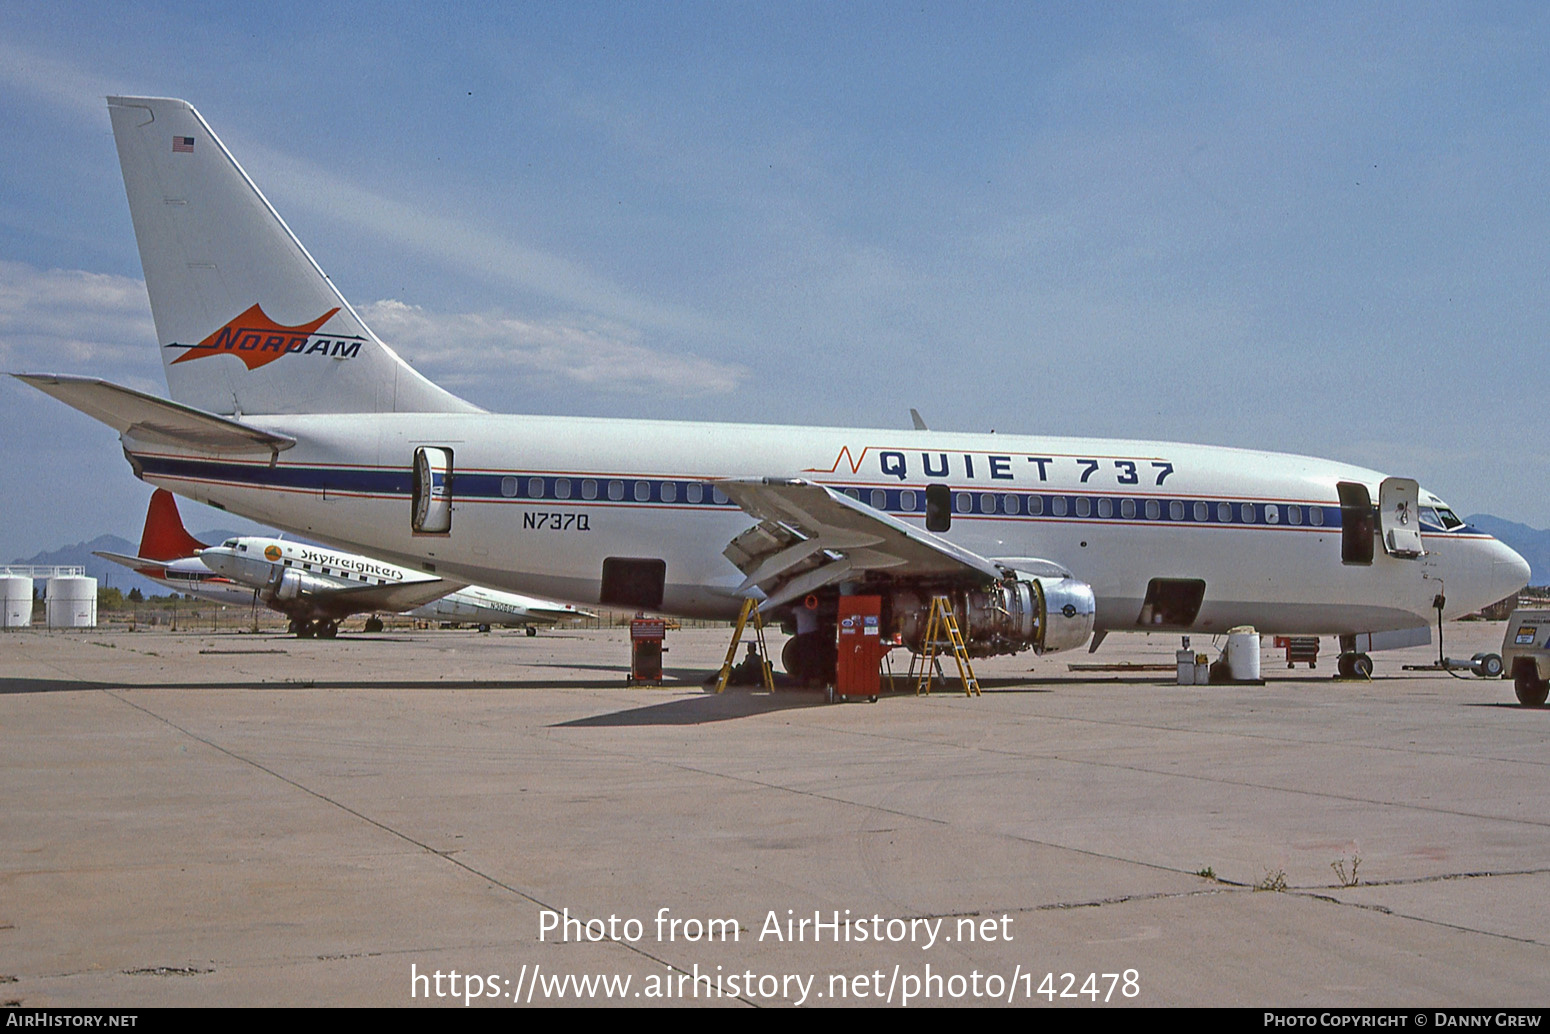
<point x="1399" y="517"/>
<point x="432" y="512"/>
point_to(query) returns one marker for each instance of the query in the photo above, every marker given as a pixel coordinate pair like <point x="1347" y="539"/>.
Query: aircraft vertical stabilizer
<point x="164" y="537"/>
<point x="246" y="320"/>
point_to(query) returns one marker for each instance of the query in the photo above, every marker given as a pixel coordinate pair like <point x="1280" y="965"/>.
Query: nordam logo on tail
<point x="258" y="340"/>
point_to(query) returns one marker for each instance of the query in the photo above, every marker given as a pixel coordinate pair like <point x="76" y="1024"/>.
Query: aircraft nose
<point x="1509" y="571"/>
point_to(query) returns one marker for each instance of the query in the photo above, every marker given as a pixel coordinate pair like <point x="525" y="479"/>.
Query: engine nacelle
<point x="293" y="584"/>
<point x="1022" y="612"/>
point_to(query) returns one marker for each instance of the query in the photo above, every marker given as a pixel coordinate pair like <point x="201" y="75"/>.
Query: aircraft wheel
<point x="1531" y="689"/>
<point x="531" y="630"/>
<point x="1343" y="666"/>
<point x="810" y="658"/>
<point x="1491" y="666"/>
<point x="484" y="628"/>
<point x="373" y="624"/>
<point x="328" y="629"/>
<point x="1361" y="666"/>
<point x="305" y="630"/>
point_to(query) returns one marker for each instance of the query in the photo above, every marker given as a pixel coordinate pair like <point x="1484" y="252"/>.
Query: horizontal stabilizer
<point x="135" y="563"/>
<point x="147" y="418"/>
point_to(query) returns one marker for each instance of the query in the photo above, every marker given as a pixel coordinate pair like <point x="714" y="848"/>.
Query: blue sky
<point x="1311" y="228"/>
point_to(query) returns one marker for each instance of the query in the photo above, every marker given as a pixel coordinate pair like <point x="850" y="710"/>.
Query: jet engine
<point x="1020" y="612"/>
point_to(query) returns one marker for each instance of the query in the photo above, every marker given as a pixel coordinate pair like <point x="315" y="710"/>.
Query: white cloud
<point x="69" y="320"/>
<point x="460" y="350"/>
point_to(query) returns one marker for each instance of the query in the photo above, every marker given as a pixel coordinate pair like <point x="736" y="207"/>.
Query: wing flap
<point x="810" y="536"/>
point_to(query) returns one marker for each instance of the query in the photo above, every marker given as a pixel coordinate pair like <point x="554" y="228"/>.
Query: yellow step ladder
<point x="942" y="621"/>
<point x="750" y="609"/>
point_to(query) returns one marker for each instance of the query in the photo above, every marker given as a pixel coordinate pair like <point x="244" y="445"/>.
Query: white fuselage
<point x="327" y="577"/>
<point x="540" y="502"/>
<point x="190" y="575"/>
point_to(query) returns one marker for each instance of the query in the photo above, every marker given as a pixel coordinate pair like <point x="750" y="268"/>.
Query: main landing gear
<point x="314" y="629"/>
<point x="811" y="657"/>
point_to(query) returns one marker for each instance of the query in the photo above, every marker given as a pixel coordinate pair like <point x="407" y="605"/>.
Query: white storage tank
<point x="15" y="601"/>
<point x="1243" y="654"/>
<point x="72" y="602"/>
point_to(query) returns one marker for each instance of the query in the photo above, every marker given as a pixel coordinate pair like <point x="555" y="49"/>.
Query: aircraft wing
<point x="393" y="598"/>
<point x="809" y="536"/>
<point x="151" y="419"/>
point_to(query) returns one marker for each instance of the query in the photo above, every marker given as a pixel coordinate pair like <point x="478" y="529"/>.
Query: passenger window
<point x="879" y="499"/>
<point x="1035" y="505"/>
<point x="1057" y="506"/>
<point x="1293" y="514"/>
<point x="1202" y="512"/>
<point x="1153" y="509"/>
<point x="694" y="493"/>
<point x="562" y="488"/>
<point x="669" y="491"/>
<point x="1272" y="513"/>
<point x="1224" y="513"/>
<point x="963" y="503"/>
<point x="1175" y="510"/>
<point x="1011" y="504"/>
<point x="1127" y="508"/>
<point x="643" y="491"/>
<point x="1084" y="506"/>
<point x="1105" y="507"/>
<point x="589" y="489"/>
<point x="907" y="501"/>
<point x="508" y="487"/>
<point x="616" y="491"/>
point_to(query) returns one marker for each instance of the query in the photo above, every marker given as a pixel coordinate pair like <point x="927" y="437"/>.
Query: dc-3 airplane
<point x="287" y="409"/>
<point x="316" y="588"/>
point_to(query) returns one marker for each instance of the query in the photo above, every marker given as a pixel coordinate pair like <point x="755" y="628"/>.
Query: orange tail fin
<point x="164" y="537"/>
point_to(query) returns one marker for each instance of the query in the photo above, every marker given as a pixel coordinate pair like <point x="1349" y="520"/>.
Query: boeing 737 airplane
<point x="286" y="408"/>
<point x="316" y="588"/>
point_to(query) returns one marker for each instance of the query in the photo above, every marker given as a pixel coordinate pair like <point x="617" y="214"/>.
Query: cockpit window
<point x="229" y="543"/>
<point x="1439" y="518"/>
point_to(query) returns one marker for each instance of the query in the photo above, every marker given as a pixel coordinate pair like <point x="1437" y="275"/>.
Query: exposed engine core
<point x="1019" y="613"/>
